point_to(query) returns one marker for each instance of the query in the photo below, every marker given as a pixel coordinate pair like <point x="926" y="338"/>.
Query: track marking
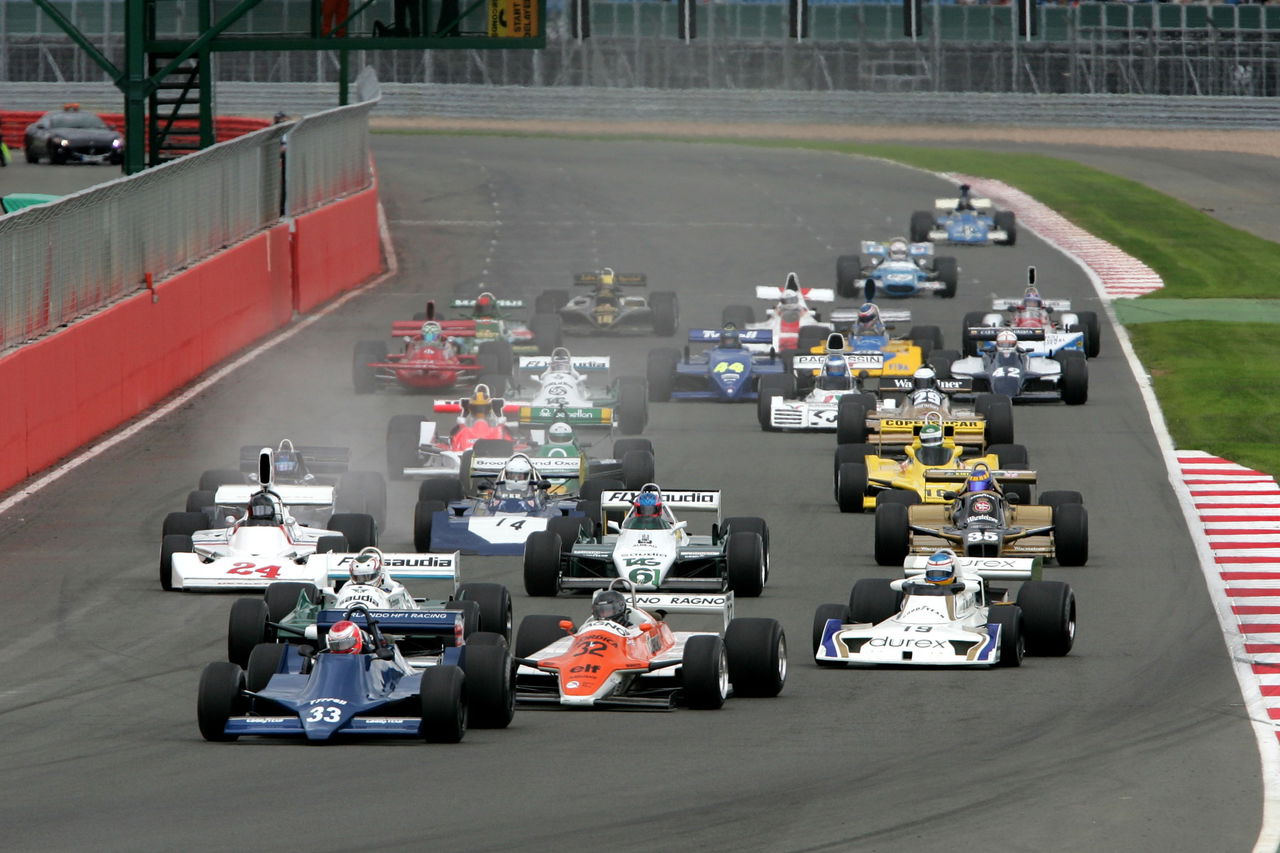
<point x="101" y="447"/>
<point x="1214" y="494"/>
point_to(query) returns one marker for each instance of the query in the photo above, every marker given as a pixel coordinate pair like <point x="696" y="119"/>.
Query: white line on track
<point x="96" y="450"/>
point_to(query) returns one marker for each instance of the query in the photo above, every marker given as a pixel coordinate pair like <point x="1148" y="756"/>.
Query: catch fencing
<point x="65" y="259"/>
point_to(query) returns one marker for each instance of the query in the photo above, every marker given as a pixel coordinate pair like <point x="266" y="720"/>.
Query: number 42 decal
<point x="254" y="569"/>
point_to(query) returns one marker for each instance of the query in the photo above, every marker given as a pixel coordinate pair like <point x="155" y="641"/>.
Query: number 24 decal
<point x="254" y="569"/>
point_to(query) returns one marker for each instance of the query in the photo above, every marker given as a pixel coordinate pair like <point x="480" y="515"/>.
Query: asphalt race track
<point x="1135" y="742"/>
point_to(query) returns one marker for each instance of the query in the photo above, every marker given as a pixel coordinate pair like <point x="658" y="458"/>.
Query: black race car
<point x="71" y="136"/>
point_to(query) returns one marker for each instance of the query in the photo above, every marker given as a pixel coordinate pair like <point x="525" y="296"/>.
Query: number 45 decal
<point x="254" y="569"/>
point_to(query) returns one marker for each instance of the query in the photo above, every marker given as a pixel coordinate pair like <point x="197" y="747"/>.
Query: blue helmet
<point x="836" y="366"/>
<point x="1031" y="299"/>
<point x="431" y="332"/>
<point x="941" y="567"/>
<point x="648" y="504"/>
<point x="980" y="480"/>
<point x="868" y="314"/>
<point x="730" y="338"/>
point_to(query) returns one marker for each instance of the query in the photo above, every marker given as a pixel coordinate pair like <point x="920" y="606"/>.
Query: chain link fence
<point x="62" y="260"/>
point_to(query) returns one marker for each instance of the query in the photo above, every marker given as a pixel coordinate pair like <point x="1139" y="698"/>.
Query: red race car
<point x="415" y="449"/>
<point x="436" y="355"/>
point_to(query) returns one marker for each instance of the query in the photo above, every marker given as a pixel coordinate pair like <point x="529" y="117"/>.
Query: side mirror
<point x="231" y="519"/>
<point x="646" y="626"/>
<point x="566" y="625"/>
<point x="1013" y="498"/>
<point x="544" y="484"/>
<point x="950" y="496"/>
<point x="680" y="525"/>
<point x="613" y="526"/>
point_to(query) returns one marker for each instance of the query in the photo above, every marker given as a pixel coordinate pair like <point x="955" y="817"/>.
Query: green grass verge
<point x="1217" y="386"/>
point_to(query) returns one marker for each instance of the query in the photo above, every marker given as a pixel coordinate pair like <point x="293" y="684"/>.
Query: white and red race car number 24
<point x="254" y="569"/>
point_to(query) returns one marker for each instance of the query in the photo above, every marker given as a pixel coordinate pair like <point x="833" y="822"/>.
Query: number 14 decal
<point x="254" y="569"/>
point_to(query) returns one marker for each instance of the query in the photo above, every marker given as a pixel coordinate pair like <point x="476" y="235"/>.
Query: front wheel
<point x="490" y="676"/>
<point x="704" y="672"/>
<point x="746" y="566"/>
<point x="542" y="563"/>
<point x="444" y="705"/>
<point x="757" y="652"/>
<point x="219" y="698"/>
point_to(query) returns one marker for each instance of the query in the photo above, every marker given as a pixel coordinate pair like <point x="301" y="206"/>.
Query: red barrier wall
<point x="14" y="122"/>
<point x="336" y="248"/>
<point x="64" y="390"/>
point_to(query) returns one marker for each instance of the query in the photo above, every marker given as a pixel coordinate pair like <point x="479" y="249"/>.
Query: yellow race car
<point x="864" y="475"/>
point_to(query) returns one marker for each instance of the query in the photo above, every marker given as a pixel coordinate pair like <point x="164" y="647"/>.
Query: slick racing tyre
<point x="542" y="563"/>
<point x="246" y="628"/>
<point x="490" y="683"/>
<point x="1049" y="617"/>
<point x="1012" y="641"/>
<point x="824" y="614"/>
<point x="536" y="632"/>
<point x="219" y="697"/>
<point x="494" y="601"/>
<point x="704" y="672"/>
<point x="443" y="704"/>
<point x="757" y="652"/>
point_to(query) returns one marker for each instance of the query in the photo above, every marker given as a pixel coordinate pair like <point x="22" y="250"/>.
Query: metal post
<point x="135" y="86"/>
<point x="343" y="74"/>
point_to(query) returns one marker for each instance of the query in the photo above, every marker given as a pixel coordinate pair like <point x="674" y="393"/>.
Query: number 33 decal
<point x="325" y="714"/>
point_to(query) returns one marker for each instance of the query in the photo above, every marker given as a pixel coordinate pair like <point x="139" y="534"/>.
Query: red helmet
<point x="485" y="303"/>
<point x="345" y="638"/>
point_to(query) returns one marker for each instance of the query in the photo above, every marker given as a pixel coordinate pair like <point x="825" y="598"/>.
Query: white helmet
<point x="898" y="250"/>
<point x="560" y="433"/>
<point x="366" y="567"/>
<point x="517" y="470"/>
<point x="790" y="299"/>
<point x="561" y="361"/>
<point x="1006" y="341"/>
<point x="924" y="379"/>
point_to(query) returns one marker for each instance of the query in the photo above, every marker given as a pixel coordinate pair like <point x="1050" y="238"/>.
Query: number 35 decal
<point x="254" y="569"/>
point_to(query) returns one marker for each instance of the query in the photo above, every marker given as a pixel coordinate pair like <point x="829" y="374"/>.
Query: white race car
<point x="783" y="406"/>
<point x="264" y="545"/>
<point x="785" y="318"/>
<point x="652" y="549"/>
<point x="1065" y="329"/>
<point x="966" y="622"/>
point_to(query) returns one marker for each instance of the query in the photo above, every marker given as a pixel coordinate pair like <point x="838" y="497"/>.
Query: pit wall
<point x="64" y="390"/>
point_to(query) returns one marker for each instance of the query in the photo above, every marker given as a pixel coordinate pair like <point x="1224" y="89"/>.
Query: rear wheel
<point x="494" y="601"/>
<point x="444" y="705"/>
<point x="542" y="563"/>
<point x="661" y="374"/>
<point x="638" y="468"/>
<point x="1075" y="378"/>
<point x="199" y="501"/>
<point x="824" y="614"/>
<point x="550" y="301"/>
<point x="1049" y="617"/>
<point x="219" y="698"/>
<point x="746" y="567"/>
<point x="812" y="336"/>
<point x="1006" y="222"/>
<point x="403" y="433"/>
<point x="757" y="653"/>
<point x="941" y="362"/>
<point x="246" y="628"/>
<point x="548" y="332"/>
<point x="873" y="600"/>
<point x="570" y="529"/>
<point x="1012" y="642"/>
<point x="772" y="385"/>
<point x="972" y="320"/>
<point x="1057" y="497"/>
<point x="893" y="534"/>
<point x="632" y="405"/>
<point x="264" y="662"/>
<point x="851" y="486"/>
<point x="282" y="598"/>
<point x="211" y="481"/>
<point x="363" y="377"/>
<point x="362" y="492"/>
<point x="358" y="527"/>
<point x="184" y="523"/>
<point x="499" y="354"/>
<point x="424" y="516"/>
<point x="928" y="338"/>
<point x="737" y="316"/>
<point x="997" y="410"/>
<point x="443" y="489"/>
<point x="490" y="683"/>
<point x="948" y="272"/>
<point x="1092" y="333"/>
<point x="898" y="496"/>
<point x="849" y="276"/>
<point x="921" y="224"/>
<point x="704" y="672"/>
<point x="666" y="313"/>
<point x="537" y="632"/>
<point x="851" y="421"/>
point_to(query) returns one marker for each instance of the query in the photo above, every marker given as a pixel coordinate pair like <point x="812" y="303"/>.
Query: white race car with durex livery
<point x="652" y="549"/>
<point x="966" y="621"/>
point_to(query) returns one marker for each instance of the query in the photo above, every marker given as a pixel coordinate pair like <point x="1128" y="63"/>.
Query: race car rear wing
<point x="950" y="203"/>
<point x="573" y="415"/>
<point x="879" y="250"/>
<point x="631" y="279"/>
<point x="398" y="566"/>
<point x="907" y="384"/>
<point x="544" y="466"/>
<point x="449" y="328"/>
<point x="707" y="500"/>
<point x="1014" y="304"/>
<point x="502" y="303"/>
<point x="856" y="360"/>
<point x="404" y="623"/>
<point x="962" y="431"/>
<point x="238" y="495"/>
<point x="889" y="318"/>
<point x="688" y="602"/>
<point x="988" y="333"/>
<point x="959" y="475"/>
<point x="810" y="294"/>
<point x="319" y="459"/>
<point x="987" y="568"/>
<point x="747" y="336"/>
<point x="579" y="362"/>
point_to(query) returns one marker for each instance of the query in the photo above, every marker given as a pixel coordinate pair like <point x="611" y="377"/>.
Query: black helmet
<point x="610" y="604"/>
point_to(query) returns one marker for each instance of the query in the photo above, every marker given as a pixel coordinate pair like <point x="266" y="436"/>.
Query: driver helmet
<point x="264" y="509"/>
<point x="730" y="339"/>
<point x="1006" y="342"/>
<point x="869" y="317"/>
<point x="924" y="379"/>
<point x="560" y="433"/>
<point x="289" y="465"/>
<point x="480" y="398"/>
<point x="933" y="451"/>
<point x="517" y="470"/>
<point x="611" y="605"/>
<point x="486" y="305"/>
<point x="606" y="275"/>
<point x="366" y="567"/>
<point x="561" y="361"/>
<point x="898" y="250"/>
<point x="790" y="300"/>
<point x="432" y="333"/>
<point x="836" y="366"/>
<point x="1031" y="299"/>
<point x="345" y="638"/>
<point x="648" y="504"/>
<point x="941" y="567"/>
<point x="980" y="480"/>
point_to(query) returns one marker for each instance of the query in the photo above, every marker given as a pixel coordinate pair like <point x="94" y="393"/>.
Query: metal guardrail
<point x="718" y="105"/>
<point x="66" y="259"/>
